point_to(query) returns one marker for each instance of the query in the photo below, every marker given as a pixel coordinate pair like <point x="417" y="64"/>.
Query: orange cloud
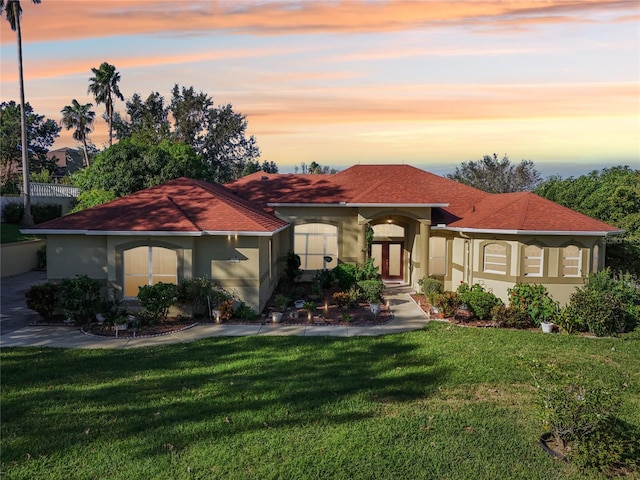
<point x="66" y="20"/>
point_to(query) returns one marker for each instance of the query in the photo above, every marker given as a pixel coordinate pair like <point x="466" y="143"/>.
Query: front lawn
<point x="444" y="402"/>
<point x="11" y="233"/>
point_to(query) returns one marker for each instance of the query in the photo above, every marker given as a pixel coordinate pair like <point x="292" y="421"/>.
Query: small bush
<point x="511" y="317"/>
<point x="623" y="287"/>
<point x="345" y="275"/>
<point x="156" y="300"/>
<point x="372" y="290"/>
<point x="479" y="302"/>
<point x="43" y="212"/>
<point x="292" y="268"/>
<point x="43" y="299"/>
<point x="281" y="301"/>
<point x="430" y="287"/>
<point x="367" y="271"/>
<point x="245" y="313"/>
<point x="601" y="313"/>
<point x="341" y="299"/>
<point x="13" y="213"/>
<point x="447" y="302"/>
<point x="200" y="293"/>
<point x="80" y="298"/>
<point x="535" y="300"/>
<point x="41" y="255"/>
<point x="324" y="278"/>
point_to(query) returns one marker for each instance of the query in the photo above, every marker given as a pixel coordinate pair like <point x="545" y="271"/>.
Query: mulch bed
<point x="170" y="325"/>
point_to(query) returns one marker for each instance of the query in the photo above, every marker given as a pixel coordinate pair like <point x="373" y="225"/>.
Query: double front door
<point x="387" y="256"/>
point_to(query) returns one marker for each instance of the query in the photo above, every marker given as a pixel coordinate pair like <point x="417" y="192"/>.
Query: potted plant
<point x="120" y="323"/>
<point x="543" y="311"/>
<point x="281" y="302"/>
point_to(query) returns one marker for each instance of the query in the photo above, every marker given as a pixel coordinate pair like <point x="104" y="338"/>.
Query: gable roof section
<point x="359" y="185"/>
<point x="525" y="212"/>
<point x="180" y="207"/>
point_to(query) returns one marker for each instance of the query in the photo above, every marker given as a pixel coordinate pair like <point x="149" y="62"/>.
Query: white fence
<point x="52" y="190"/>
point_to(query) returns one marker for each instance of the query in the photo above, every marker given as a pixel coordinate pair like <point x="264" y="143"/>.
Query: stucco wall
<point x="71" y="255"/>
<point x="19" y="257"/>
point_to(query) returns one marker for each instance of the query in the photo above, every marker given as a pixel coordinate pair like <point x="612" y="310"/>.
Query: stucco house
<point x="239" y="234"/>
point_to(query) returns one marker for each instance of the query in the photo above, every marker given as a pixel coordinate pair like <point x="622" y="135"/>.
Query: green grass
<point x="11" y="233"/>
<point x="444" y="402"/>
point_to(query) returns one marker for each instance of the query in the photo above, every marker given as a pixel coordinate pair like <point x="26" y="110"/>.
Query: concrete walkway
<point x="16" y="331"/>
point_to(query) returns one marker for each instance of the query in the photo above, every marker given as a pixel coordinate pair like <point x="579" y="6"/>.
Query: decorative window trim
<point x="540" y="258"/>
<point x="495" y="259"/>
<point x="578" y="259"/>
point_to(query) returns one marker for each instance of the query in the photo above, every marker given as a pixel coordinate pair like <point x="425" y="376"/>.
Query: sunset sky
<point x="427" y="83"/>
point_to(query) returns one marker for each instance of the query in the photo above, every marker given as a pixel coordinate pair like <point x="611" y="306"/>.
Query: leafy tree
<point x="254" y="166"/>
<point x="91" y="198"/>
<point x="80" y="118"/>
<point x="41" y="133"/>
<point x="149" y="119"/>
<point x="314" y="167"/>
<point x="104" y="87"/>
<point x="130" y="165"/>
<point x="497" y="176"/>
<point x="611" y="195"/>
<point x="217" y="134"/>
<point x="13" y="12"/>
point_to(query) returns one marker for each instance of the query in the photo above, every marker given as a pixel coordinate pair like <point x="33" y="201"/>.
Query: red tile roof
<point x="525" y="211"/>
<point x="181" y="205"/>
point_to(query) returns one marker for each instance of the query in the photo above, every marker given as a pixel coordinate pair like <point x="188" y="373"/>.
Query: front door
<point x="387" y="256"/>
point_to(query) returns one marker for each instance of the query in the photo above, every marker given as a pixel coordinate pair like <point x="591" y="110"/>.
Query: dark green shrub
<point x="292" y="269"/>
<point x="13" y="213"/>
<point x="510" y="317"/>
<point x="43" y="299"/>
<point x="156" y="300"/>
<point x="345" y="275"/>
<point x="367" y="271"/>
<point x="371" y="290"/>
<point x="448" y="302"/>
<point x="200" y="293"/>
<point x="281" y="301"/>
<point x="430" y="287"/>
<point x="10" y="186"/>
<point x="324" y="278"/>
<point x="623" y="287"/>
<point x="42" y="212"/>
<point x="41" y="255"/>
<point x="479" y="302"/>
<point x="245" y="313"/>
<point x="601" y="313"/>
<point x="80" y="298"/>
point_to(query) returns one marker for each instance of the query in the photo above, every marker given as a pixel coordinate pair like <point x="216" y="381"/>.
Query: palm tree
<point x="81" y="118"/>
<point x="13" y="11"/>
<point x="104" y="87"/>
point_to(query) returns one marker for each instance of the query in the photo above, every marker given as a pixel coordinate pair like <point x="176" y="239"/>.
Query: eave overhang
<point x="530" y="232"/>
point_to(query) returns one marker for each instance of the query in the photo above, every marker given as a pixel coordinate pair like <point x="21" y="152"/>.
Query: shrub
<point x="430" y="287"/>
<point x="13" y="213"/>
<point x="601" y="313"/>
<point x="91" y="198"/>
<point x="345" y="275"/>
<point x="156" y="300"/>
<point x="341" y="299"/>
<point x="43" y="212"/>
<point x="367" y="271"/>
<point x="309" y="307"/>
<point x="245" y="313"/>
<point x="10" y="186"/>
<point x="371" y="290"/>
<point x="535" y="300"/>
<point x="41" y="255"/>
<point x="43" y="299"/>
<point x="624" y="289"/>
<point x="292" y="268"/>
<point x="448" y="302"/>
<point x="200" y="293"/>
<point x="479" y="302"/>
<point x="511" y="317"/>
<point x="324" y="278"/>
<point x="80" y="298"/>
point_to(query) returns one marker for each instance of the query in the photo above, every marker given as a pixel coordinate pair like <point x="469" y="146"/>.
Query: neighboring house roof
<point x="526" y="212"/>
<point x="181" y="206"/>
<point x="68" y="160"/>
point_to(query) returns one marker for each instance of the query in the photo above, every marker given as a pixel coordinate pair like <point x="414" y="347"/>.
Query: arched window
<point x="316" y="244"/>
<point x="571" y="261"/>
<point x="438" y="256"/>
<point x="148" y="265"/>
<point x="495" y="258"/>
<point x="533" y="261"/>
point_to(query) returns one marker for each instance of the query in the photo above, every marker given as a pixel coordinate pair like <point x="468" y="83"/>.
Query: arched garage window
<point x="313" y="242"/>
<point x="147" y="266"/>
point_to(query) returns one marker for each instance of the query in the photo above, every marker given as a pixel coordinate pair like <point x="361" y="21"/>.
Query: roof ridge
<point x="184" y="213"/>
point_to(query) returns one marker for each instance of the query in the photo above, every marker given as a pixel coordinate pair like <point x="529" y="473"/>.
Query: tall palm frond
<point x="104" y="87"/>
<point x="81" y="118"/>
